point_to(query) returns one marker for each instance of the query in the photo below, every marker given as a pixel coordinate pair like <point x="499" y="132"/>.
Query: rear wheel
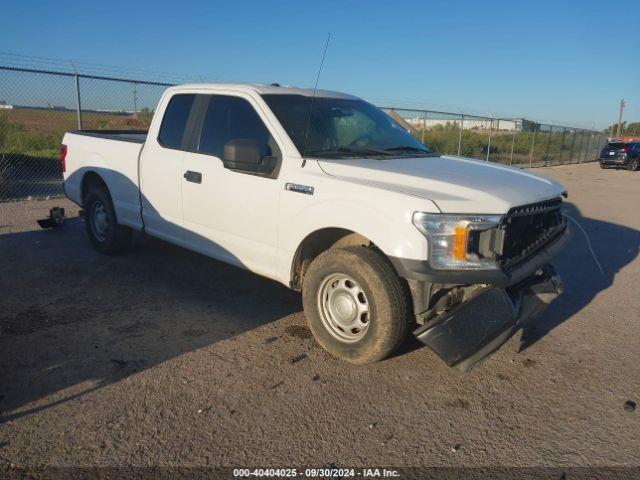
<point x="356" y="305"/>
<point x="633" y="164"/>
<point x="602" y="165"/>
<point x="104" y="232"/>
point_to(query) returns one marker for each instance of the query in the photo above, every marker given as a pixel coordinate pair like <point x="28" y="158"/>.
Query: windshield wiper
<point x="408" y="148"/>
<point x="349" y="151"/>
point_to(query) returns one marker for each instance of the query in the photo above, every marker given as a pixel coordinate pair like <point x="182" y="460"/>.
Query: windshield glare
<point x="342" y="127"/>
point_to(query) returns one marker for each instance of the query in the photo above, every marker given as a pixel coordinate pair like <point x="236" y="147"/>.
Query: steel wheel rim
<point x="99" y="221"/>
<point x="344" y="308"/>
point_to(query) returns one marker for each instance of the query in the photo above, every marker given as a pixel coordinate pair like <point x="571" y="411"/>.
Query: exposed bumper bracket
<point x="474" y="329"/>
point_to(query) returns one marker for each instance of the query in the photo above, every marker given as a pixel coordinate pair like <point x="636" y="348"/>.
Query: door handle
<point x="195" y="177"/>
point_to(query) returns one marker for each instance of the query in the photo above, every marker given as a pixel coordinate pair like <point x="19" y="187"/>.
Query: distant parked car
<point x="621" y="154"/>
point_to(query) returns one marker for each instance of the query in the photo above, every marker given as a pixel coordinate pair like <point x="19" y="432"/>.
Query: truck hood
<point x="454" y="184"/>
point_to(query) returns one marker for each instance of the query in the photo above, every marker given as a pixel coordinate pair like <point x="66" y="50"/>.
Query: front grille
<point x="528" y="229"/>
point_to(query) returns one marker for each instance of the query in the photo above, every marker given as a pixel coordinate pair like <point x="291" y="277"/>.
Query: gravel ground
<point x="164" y="357"/>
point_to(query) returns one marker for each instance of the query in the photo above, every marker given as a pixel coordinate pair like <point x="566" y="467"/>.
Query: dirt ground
<point x="163" y="357"/>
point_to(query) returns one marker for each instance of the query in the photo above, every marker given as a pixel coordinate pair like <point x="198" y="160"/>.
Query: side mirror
<point x="243" y="154"/>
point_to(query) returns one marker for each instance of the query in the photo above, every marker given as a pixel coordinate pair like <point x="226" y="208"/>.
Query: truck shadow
<point x="73" y="321"/>
<point x="614" y="247"/>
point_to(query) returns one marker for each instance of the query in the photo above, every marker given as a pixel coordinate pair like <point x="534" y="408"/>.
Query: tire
<point x="333" y="286"/>
<point x="602" y="165"/>
<point x="104" y="232"/>
<point x="633" y="164"/>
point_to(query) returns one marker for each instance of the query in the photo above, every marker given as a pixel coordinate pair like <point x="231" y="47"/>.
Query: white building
<point x="467" y="123"/>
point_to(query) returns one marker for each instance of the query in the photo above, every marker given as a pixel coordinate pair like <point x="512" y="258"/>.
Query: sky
<point x="564" y="61"/>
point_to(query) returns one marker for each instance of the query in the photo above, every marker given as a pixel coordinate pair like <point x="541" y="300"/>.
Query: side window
<point x="232" y="119"/>
<point x="174" y="121"/>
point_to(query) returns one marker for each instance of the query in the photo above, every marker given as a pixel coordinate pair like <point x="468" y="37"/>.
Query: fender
<point x="393" y="237"/>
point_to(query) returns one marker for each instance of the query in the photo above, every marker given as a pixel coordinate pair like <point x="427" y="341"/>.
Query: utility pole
<point x="135" y="99"/>
<point x="622" y="105"/>
<point x="78" y="104"/>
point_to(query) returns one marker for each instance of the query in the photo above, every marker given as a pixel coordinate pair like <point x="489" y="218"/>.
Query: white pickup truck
<point x="327" y="194"/>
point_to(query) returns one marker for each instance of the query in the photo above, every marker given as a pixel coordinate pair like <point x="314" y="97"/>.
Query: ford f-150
<point x="330" y="196"/>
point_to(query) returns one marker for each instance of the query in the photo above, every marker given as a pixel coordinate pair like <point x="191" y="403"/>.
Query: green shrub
<point x="15" y="138"/>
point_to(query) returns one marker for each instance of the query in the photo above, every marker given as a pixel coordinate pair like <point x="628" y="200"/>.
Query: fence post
<point x="513" y="143"/>
<point x="424" y="126"/>
<point x="586" y="152"/>
<point x="489" y="143"/>
<point x="573" y="145"/>
<point x="460" y="133"/>
<point x="580" y="146"/>
<point x="78" y="104"/>
<point x="546" y="148"/>
<point x="533" y="144"/>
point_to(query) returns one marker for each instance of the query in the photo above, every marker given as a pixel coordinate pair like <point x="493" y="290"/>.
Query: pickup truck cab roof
<point x="261" y="89"/>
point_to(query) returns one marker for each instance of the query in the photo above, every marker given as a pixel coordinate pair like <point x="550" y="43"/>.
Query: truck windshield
<point x="342" y="128"/>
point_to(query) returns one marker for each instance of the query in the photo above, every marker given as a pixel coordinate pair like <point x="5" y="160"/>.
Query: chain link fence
<point x="512" y="141"/>
<point x="38" y="106"/>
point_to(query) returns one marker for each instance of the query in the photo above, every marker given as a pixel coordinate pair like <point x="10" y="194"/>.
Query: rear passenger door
<point x="231" y="214"/>
<point x="161" y="171"/>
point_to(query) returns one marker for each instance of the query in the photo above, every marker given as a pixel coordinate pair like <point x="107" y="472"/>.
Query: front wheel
<point x="356" y="305"/>
<point x="634" y="164"/>
<point x="104" y="232"/>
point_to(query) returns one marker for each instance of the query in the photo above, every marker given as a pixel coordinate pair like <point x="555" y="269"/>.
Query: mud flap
<point x="475" y="328"/>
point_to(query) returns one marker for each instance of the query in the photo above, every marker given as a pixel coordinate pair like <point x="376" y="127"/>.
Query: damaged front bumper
<point x="473" y="329"/>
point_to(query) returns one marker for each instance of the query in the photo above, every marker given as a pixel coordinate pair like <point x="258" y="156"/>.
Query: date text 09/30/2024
<point x="316" y="472"/>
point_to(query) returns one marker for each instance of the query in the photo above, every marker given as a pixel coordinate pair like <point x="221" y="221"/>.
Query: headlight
<point x="451" y="240"/>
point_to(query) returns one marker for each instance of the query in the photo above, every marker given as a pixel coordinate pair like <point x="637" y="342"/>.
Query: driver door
<point x="231" y="214"/>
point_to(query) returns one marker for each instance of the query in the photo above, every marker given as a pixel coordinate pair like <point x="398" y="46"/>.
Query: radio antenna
<point x="315" y="88"/>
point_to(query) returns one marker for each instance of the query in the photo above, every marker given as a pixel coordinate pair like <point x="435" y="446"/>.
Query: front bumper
<point x="472" y="330"/>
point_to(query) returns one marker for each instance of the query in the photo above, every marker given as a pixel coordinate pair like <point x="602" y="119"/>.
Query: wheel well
<point x="90" y="181"/>
<point x="317" y="242"/>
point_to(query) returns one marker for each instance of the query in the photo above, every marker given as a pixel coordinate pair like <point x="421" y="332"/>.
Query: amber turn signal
<point x="460" y="243"/>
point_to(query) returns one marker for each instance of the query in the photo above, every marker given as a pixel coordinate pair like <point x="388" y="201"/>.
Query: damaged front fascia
<point x="471" y="330"/>
<point x="431" y="299"/>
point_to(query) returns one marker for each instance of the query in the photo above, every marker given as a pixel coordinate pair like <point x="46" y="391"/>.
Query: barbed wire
<point x="92" y="68"/>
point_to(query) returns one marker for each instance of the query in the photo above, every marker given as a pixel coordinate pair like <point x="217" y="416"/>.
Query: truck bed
<point x="112" y="155"/>
<point x="135" y="136"/>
